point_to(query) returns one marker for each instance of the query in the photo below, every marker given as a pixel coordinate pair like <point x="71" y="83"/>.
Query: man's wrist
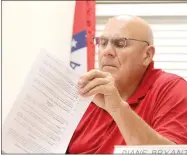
<point x="121" y="109"/>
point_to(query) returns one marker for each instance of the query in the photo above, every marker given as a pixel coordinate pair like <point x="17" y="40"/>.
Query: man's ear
<point x="148" y="55"/>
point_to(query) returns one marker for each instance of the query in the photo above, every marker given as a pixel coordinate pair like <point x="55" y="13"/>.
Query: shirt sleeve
<point x="170" y="112"/>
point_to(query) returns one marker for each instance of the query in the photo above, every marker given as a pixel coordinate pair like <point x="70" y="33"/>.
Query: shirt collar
<point x="148" y="79"/>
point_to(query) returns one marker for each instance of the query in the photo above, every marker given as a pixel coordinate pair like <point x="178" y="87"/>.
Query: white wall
<point x="28" y="26"/>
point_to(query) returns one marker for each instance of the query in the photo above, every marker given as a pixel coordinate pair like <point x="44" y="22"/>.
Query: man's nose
<point x="109" y="50"/>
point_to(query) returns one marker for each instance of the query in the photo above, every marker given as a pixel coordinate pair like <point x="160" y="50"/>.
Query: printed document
<point x="46" y="111"/>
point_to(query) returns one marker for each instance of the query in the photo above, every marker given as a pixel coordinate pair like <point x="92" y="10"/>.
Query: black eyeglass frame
<point x="96" y="38"/>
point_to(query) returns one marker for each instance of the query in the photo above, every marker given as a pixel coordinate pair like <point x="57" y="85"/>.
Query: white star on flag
<point x="74" y="43"/>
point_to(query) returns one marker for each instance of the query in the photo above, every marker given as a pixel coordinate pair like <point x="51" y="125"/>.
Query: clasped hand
<point x="102" y="85"/>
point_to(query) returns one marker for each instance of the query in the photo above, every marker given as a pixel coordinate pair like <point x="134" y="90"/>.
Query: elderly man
<point x="134" y="103"/>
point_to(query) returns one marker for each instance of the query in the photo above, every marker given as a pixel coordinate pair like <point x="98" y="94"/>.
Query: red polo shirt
<point x="161" y="100"/>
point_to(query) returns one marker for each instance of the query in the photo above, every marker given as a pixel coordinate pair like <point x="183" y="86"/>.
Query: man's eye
<point x="120" y="43"/>
<point x="103" y="42"/>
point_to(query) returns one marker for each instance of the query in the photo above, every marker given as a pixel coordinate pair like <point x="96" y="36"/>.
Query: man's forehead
<point x="129" y="27"/>
<point x="115" y="28"/>
<point x="115" y="22"/>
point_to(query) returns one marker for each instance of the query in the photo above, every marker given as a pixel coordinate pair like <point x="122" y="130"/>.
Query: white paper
<point x="151" y="149"/>
<point x="46" y="111"/>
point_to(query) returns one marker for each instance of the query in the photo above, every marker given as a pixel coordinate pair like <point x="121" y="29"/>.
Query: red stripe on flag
<point x="91" y="22"/>
<point x="80" y="16"/>
<point x="85" y="19"/>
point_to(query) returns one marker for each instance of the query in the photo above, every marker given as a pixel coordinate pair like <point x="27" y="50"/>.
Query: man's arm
<point x="135" y="130"/>
<point x="170" y="126"/>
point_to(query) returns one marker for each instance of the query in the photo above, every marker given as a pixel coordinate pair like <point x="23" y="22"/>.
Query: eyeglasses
<point x="118" y="42"/>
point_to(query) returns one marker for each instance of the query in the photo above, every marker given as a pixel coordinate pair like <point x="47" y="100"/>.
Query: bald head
<point x="132" y="27"/>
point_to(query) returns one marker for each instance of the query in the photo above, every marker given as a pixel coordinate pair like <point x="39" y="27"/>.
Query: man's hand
<point x="101" y="84"/>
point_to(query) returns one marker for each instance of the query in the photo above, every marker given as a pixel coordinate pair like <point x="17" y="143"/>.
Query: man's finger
<point x="94" y="83"/>
<point x="91" y="75"/>
<point x="101" y="89"/>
